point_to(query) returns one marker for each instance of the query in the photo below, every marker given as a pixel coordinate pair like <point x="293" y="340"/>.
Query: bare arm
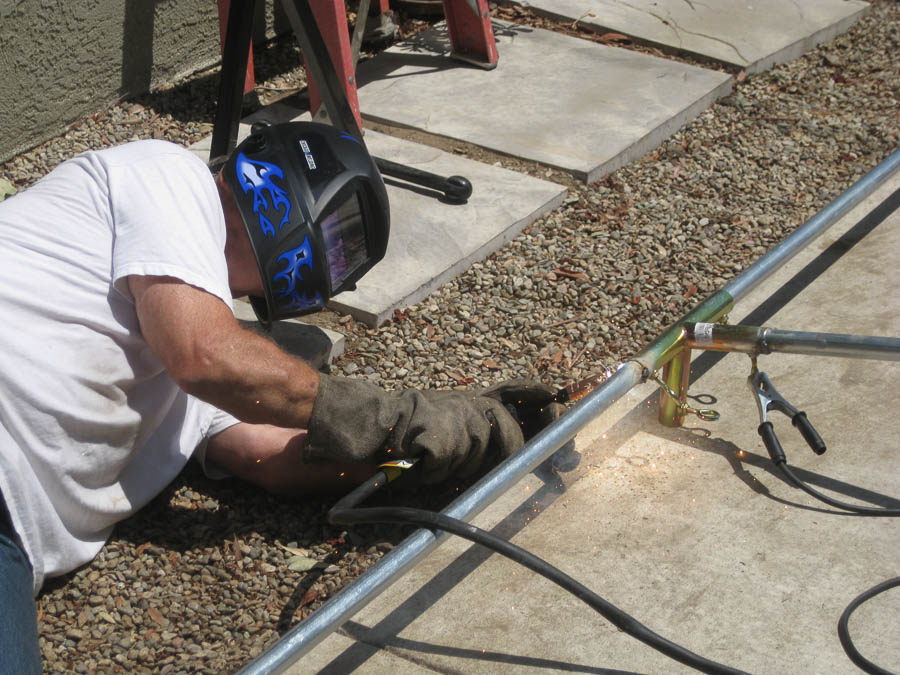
<point x="209" y="355"/>
<point x="272" y="458"/>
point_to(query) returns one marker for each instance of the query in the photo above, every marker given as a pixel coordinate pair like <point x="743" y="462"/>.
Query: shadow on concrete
<point x="361" y="634"/>
<point x="384" y="634"/>
<point x="802" y="279"/>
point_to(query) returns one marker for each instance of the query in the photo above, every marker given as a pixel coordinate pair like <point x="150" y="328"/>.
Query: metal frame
<point x="234" y="65"/>
<point x="671" y="344"/>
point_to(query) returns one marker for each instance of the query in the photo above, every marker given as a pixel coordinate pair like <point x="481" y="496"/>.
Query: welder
<point x="121" y="358"/>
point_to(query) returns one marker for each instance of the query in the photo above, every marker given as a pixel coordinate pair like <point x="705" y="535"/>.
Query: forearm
<point x="272" y="458"/>
<point x="254" y="380"/>
<point x="210" y="356"/>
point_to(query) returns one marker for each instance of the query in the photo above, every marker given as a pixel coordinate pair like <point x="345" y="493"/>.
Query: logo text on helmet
<point x="255" y="176"/>
<point x="310" y="160"/>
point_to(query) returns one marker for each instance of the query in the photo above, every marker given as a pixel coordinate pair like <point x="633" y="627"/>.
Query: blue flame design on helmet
<point x="256" y="176"/>
<point x="289" y="297"/>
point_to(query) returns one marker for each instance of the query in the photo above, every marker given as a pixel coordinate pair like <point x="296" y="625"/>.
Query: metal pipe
<point x="303" y="637"/>
<point x="375" y="580"/>
<point x="756" y="340"/>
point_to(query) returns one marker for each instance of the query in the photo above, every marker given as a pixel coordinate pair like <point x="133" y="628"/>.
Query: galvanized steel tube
<point x="375" y="580"/>
<point x="761" y="340"/>
<point x="833" y="344"/>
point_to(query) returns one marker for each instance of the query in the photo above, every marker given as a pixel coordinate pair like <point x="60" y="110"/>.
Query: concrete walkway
<point x="691" y="530"/>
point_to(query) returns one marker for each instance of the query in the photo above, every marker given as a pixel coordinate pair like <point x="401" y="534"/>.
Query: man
<point x="120" y="357"/>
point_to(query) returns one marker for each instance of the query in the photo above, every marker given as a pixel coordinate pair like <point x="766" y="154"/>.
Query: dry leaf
<point x="613" y="37"/>
<point x="140" y="549"/>
<point x="690" y="291"/>
<point x="493" y="365"/>
<point x="562" y="271"/>
<point x="459" y="377"/>
<point x="237" y="549"/>
<point x="6" y="189"/>
<point x="299" y="563"/>
<point x="294" y="551"/>
<point x="308" y="597"/>
<point x="156" y="616"/>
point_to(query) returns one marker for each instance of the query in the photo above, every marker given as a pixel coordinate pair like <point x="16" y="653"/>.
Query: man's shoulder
<point x="149" y="149"/>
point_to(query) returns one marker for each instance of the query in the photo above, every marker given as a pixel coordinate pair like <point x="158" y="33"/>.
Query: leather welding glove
<point x="451" y="431"/>
<point x="530" y="402"/>
<point x="534" y="406"/>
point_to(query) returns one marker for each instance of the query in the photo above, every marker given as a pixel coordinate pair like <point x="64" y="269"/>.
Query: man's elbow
<point x="197" y="372"/>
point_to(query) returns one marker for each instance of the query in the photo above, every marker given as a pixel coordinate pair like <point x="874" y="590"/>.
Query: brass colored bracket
<point x="671" y="398"/>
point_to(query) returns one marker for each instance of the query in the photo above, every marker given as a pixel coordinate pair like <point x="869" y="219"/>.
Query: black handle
<point x="767" y="432"/>
<point x="809" y="433"/>
<point x="456" y="188"/>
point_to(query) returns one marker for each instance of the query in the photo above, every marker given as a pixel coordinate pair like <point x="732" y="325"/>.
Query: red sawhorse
<point x="468" y="24"/>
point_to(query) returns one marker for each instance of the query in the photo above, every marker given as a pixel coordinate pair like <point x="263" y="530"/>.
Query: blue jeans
<point x="19" y="648"/>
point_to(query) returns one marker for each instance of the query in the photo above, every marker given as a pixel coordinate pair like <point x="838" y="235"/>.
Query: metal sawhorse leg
<point x="336" y="86"/>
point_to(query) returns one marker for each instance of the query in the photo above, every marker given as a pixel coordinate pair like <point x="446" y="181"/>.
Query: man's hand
<point x="209" y="355"/>
<point x="452" y="432"/>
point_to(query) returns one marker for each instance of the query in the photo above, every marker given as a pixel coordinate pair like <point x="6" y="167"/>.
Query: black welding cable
<point x="844" y="630"/>
<point x="438" y="521"/>
<point x="853" y="508"/>
<point x="776" y="452"/>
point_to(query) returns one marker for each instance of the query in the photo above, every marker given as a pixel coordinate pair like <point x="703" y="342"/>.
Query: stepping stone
<point x="566" y="102"/>
<point x="317" y="346"/>
<point x="431" y="241"/>
<point x="752" y="34"/>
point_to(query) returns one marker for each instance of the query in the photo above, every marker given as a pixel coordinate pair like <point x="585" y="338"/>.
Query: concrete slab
<point x="315" y="345"/>
<point x="432" y="241"/>
<point x="691" y="530"/>
<point x="569" y="103"/>
<point x="753" y="35"/>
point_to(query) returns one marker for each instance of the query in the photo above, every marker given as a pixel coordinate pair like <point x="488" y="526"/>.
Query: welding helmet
<point x="316" y="210"/>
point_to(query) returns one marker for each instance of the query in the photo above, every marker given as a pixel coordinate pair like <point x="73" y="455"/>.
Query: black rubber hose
<point x="844" y="629"/>
<point x="438" y="521"/>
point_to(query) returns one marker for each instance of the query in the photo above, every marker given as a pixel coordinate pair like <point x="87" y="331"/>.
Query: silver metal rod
<point x="375" y="580"/>
<point x="302" y="638"/>
<point x="833" y="344"/>
<point x="806" y="233"/>
<point x="756" y="340"/>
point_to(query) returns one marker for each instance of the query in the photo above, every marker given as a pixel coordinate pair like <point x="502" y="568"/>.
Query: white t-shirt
<point x="91" y="425"/>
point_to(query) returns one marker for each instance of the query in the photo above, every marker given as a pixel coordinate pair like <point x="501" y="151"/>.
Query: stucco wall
<point x="63" y="59"/>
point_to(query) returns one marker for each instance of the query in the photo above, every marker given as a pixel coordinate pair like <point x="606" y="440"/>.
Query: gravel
<point x="211" y="572"/>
